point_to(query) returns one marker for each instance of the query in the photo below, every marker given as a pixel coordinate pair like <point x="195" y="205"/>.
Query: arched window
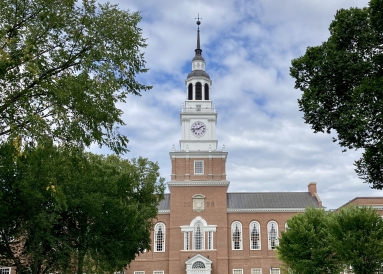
<point x="198" y="91"/>
<point x="255" y="236"/>
<point x="272" y="230"/>
<point x="198" y="237"/>
<point x="190" y="92"/>
<point x="199" y="265"/>
<point x="236" y="232"/>
<point x="159" y="237"/>
<point x="206" y="92"/>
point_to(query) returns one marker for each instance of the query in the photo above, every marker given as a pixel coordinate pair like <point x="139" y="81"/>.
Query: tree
<point x="357" y="237"/>
<point x="304" y="246"/>
<point x="342" y="81"/>
<point x="64" y="209"/>
<point x="63" y="67"/>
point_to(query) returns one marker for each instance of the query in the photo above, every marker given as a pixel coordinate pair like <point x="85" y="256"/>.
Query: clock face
<point x="198" y="129"/>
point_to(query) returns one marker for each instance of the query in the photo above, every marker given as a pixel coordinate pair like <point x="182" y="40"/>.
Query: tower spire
<point x="198" y="50"/>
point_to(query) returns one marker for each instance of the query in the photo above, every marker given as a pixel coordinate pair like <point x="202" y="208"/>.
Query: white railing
<point x="208" y="110"/>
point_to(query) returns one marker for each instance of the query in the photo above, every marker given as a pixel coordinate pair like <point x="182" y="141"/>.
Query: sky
<point x="248" y="46"/>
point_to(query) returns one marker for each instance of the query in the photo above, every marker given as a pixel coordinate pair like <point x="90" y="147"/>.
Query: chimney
<point x="312" y="187"/>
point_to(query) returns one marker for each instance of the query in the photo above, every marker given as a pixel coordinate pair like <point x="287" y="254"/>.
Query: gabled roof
<point x="271" y="200"/>
<point x="165" y="203"/>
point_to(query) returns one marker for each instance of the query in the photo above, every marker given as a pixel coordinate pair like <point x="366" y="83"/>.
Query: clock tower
<point x="198" y="160"/>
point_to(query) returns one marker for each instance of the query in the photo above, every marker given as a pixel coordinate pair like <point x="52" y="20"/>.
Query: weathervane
<point x="198" y="20"/>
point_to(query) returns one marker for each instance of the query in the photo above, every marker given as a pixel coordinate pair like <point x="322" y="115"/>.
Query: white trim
<point x="139" y="272"/>
<point x="256" y="271"/>
<point x="5" y="270"/>
<point x="237" y="271"/>
<point x="163" y="236"/>
<point x="200" y="183"/>
<point x="165" y="211"/>
<point x="202" y="167"/>
<point x="243" y="210"/>
<point x="239" y="225"/>
<point x="269" y="237"/>
<point x="259" y="232"/>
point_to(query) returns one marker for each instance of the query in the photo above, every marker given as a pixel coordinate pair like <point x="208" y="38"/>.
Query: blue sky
<point x="248" y="47"/>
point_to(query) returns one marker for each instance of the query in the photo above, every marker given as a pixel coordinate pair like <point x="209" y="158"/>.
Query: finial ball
<point x="198" y="22"/>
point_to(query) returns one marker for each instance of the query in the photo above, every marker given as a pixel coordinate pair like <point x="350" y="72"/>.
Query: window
<point x="210" y="240"/>
<point x="139" y="272"/>
<point x="272" y="230"/>
<point x="198" y="238"/>
<point x="236" y="232"/>
<point x="237" y="271"/>
<point x="206" y="92"/>
<point x="198" y="167"/>
<point x="256" y="271"/>
<point x="5" y="270"/>
<point x="159" y="237"/>
<point x="186" y="240"/>
<point x="198" y="91"/>
<point x="199" y="265"/>
<point x="190" y="92"/>
<point x="275" y="271"/>
<point x="158" y="272"/>
<point x="286" y="226"/>
<point x="255" y="236"/>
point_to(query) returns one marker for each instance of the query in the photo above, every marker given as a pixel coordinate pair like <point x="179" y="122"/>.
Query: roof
<point x="198" y="73"/>
<point x="261" y="200"/>
<point x="246" y="200"/>
<point x="165" y="203"/>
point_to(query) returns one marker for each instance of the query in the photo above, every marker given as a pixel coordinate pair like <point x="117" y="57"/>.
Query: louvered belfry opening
<point x="206" y="92"/>
<point x="190" y="92"/>
<point x="198" y="91"/>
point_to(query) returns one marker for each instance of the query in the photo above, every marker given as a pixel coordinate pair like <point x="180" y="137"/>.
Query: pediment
<point x="198" y="260"/>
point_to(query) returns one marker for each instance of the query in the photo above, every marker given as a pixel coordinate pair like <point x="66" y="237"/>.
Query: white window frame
<point x="259" y="232"/>
<point x="163" y="229"/>
<point x="158" y="272"/>
<point x="256" y="271"/>
<point x="200" y="172"/>
<point x="5" y="270"/>
<point x="202" y="233"/>
<point x="233" y="226"/>
<point x="275" y="270"/>
<point x="139" y="272"/>
<point x="237" y="271"/>
<point x="269" y="227"/>
<point x="186" y="240"/>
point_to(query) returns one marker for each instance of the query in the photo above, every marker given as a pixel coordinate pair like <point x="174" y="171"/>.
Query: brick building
<point x="201" y="228"/>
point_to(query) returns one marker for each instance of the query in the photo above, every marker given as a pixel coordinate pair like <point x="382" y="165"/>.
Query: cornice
<point x="245" y="210"/>
<point x="199" y="183"/>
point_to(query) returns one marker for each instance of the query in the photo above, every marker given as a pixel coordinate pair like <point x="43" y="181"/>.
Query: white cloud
<point x="248" y="47"/>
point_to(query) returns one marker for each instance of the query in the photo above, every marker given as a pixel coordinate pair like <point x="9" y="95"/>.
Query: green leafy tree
<point x="304" y="246"/>
<point x="67" y="210"/>
<point x="63" y="67"/>
<point x="357" y="238"/>
<point x="342" y="81"/>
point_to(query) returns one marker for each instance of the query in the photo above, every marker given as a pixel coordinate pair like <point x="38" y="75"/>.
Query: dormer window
<point x="198" y="91"/>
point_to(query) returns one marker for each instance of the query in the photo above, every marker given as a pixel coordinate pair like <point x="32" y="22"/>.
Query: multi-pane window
<point x="159" y="237"/>
<point x="139" y="272"/>
<point x="256" y="271"/>
<point x="186" y="240"/>
<point x="198" y="91"/>
<point x="210" y="240"/>
<point x="158" y="272"/>
<point x="275" y="271"/>
<point x="5" y="270"/>
<point x="198" y="265"/>
<point x="198" y="237"/>
<point x="255" y="236"/>
<point x="236" y="233"/>
<point x="198" y="167"/>
<point x="272" y="230"/>
<point x="237" y="271"/>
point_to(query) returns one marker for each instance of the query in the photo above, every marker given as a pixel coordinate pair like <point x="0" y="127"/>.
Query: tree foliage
<point x="320" y="242"/>
<point x="64" y="209"/>
<point x="342" y="84"/>
<point x="304" y="246"/>
<point x="63" y="67"/>
<point x="357" y="234"/>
